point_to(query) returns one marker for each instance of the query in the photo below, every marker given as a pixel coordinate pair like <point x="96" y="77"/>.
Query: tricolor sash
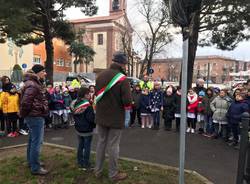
<point x="82" y="104"/>
<point x="116" y="79"/>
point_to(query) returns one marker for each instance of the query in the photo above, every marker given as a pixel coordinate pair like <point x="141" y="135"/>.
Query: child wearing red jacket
<point x="192" y="100"/>
<point x="200" y="111"/>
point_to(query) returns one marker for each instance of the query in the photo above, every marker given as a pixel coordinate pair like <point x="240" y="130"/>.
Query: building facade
<point x="106" y="35"/>
<point x="12" y="54"/>
<point x="216" y="68"/>
<point x="62" y="58"/>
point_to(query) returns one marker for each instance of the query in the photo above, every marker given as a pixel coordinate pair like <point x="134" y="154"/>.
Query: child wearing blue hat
<point x="201" y="111"/>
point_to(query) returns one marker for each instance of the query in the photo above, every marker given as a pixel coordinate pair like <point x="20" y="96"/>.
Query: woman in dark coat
<point x="168" y="107"/>
<point x="177" y="104"/>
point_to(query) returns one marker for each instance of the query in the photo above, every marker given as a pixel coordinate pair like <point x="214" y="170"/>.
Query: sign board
<point x="24" y="65"/>
<point x="151" y="71"/>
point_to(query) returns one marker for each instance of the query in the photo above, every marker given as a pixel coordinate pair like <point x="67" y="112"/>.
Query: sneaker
<point x="119" y="177"/>
<point x="42" y="164"/>
<point x="192" y="131"/>
<point x="10" y="135"/>
<point x="23" y="132"/>
<point x="142" y="126"/>
<point x="40" y="172"/>
<point x="188" y="130"/>
<point x="15" y="134"/>
<point x="207" y="135"/>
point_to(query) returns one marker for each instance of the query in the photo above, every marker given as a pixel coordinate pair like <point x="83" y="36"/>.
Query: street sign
<point x="151" y="71"/>
<point x="24" y="65"/>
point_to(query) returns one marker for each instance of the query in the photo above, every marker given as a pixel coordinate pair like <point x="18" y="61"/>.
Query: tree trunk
<point x="151" y="53"/>
<point x="193" y="42"/>
<point x="132" y="66"/>
<point x="49" y="64"/>
<point x="75" y="66"/>
<point x="86" y="67"/>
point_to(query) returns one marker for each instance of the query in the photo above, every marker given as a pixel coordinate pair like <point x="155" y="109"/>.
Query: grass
<point x="63" y="170"/>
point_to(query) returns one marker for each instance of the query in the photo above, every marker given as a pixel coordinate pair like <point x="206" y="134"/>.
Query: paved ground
<point x="211" y="158"/>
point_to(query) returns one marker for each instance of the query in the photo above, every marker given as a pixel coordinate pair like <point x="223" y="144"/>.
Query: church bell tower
<point x="117" y="7"/>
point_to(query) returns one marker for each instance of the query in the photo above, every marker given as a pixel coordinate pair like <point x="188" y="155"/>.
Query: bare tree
<point x="156" y="36"/>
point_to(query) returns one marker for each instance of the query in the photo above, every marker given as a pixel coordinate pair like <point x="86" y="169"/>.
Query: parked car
<point x="133" y="81"/>
<point x="88" y="82"/>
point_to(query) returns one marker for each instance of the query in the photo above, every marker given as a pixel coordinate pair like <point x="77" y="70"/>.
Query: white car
<point x="84" y="81"/>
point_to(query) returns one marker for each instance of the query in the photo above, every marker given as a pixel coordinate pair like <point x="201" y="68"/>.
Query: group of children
<point x="211" y="112"/>
<point x="59" y="98"/>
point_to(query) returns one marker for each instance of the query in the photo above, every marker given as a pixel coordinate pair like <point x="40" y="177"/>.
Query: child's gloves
<point x="127" y="118"/>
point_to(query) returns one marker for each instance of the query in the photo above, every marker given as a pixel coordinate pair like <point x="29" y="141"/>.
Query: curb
<point x="202" y="178"/>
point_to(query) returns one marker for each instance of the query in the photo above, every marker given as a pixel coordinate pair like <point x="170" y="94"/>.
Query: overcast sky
<point x="242" y="52"/>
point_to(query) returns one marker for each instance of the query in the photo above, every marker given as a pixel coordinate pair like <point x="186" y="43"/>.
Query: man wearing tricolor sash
<point x="113" y="105"/>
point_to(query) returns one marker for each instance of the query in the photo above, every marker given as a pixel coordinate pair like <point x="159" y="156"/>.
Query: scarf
<point x="192" y="98"/>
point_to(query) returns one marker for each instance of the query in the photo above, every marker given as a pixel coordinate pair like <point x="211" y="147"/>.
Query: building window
<point x="68" y="64"/>
<point x="36" y="60"/>
<point x="100" y="39"/>
<point x="60" y="62"/>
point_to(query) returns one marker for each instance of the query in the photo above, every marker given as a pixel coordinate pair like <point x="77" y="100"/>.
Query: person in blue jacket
<point x="145" y="110"/>
<point x="234" y="114"/>
<point x="84" y="118"/>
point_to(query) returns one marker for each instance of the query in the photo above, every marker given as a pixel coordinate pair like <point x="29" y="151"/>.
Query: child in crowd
<point x="2" y="122"/>
<point x="234" y="114"/>
<point x="10" y="103"/>
<point x="136" y="94"/>
<point x="67" y="116"/>
<point x="168" y="107"/>
<point x="57" y="108"/>
<point x="177" y="104"/>
<point x="156" y="102"/>
<point x="209" y="130"/>
<point x="200" y="112"/>
<point x="84" y="117"/>
<point x="23" y="128"/>
<point x="219" y="107"/>
<point x="72" y="92"/>
<point x="248" y="99"/>
<point x="192" y="99"/>
<point x="145" y="108"/>
<point x="92" y="94"/>
<point x="49" y="92"/>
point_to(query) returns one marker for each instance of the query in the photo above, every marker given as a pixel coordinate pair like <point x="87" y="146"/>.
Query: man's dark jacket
<point x="33" y="98"/>
<point x="110" y="110"/>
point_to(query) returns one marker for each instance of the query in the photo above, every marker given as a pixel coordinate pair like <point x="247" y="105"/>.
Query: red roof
<point x="97" y="19"/>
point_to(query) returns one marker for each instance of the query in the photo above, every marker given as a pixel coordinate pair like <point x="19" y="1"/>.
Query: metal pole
<point x="183" y="111"/>
<point x="208" y="73"/>
<point x="244" y="143"/>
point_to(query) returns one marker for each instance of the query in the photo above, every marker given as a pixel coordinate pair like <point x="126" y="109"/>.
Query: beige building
<point x="105" y="35"/>
<point x="10" y="54"/>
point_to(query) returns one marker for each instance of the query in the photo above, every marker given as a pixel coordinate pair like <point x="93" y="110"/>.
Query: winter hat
<point x="120" y="57"/>
<point x="37" y="68"/>
<point x="216" y="89"/>
<point x="8" y="87"/>
<point x="201" y="93"/>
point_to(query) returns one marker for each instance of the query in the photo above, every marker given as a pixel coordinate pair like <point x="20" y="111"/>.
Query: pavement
<point x="211" y="158"/>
